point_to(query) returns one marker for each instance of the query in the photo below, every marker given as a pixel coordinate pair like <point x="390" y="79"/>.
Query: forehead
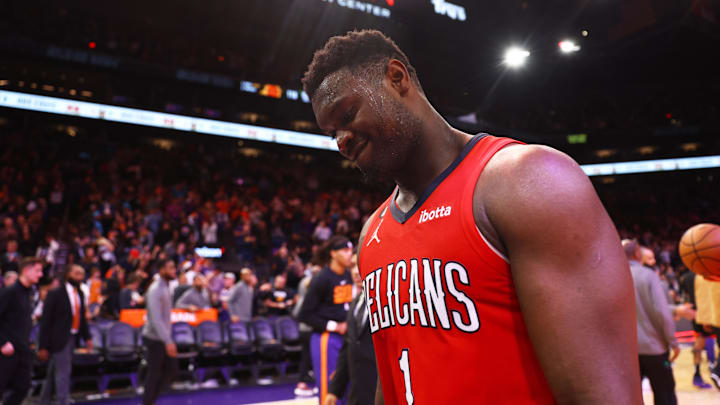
<point x="332" y="88"/>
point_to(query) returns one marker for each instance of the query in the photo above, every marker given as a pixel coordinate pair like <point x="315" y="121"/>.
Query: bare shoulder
<point x="526" y="188"/>
<point x="525" y="161"/>
<point x="532" y="174"/>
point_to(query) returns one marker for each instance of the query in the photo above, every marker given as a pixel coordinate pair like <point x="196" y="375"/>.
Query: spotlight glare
<point x="568" y="46"/>
<point x="516" y="57"/>
<point x="585" y="33"/>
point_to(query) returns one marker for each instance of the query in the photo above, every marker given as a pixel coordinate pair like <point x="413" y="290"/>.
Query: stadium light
<point x="568" y="46"/>
<point x="516" y="57"/>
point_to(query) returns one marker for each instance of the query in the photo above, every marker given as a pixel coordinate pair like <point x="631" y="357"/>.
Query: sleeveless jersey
<point x="443" y="310"/>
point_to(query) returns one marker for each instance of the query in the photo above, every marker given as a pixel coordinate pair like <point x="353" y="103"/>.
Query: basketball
<point x="700" y="250"/>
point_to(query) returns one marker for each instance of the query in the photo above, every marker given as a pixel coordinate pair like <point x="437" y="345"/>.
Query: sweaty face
<point x="367" y="117"/>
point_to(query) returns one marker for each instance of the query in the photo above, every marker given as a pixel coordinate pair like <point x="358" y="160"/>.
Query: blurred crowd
<point x="118" y="209"/>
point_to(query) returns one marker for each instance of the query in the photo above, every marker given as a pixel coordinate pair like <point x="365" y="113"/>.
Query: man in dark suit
<point x="15" y="326"/>
<point x="63" y="320"/>
<point x="356" y="361"/>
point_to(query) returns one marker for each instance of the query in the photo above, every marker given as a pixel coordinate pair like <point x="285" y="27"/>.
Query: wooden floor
<point x="687" y="394"/>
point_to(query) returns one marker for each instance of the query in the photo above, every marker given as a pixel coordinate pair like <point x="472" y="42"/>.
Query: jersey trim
<point x="401" y="216"/>
<point x="492" y="247"/>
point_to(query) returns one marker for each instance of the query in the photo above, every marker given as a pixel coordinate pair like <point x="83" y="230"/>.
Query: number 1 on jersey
<point x="405" y="368"/>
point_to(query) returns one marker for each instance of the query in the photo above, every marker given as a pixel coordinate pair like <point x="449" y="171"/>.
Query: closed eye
<point x="349" y="115"/>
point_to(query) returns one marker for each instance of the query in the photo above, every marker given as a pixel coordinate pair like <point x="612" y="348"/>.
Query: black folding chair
<point x="213" y="352"/>
<point x="187" y="350"/>
<point x="239" y="338"/>
<point x="88" y="365"/>
<point x="269" y="348"/>
<point x="121" y="354"/>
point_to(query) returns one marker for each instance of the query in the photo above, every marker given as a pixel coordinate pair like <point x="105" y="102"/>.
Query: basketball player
<point x="702" y="332"/>
<point x="492" y="274"/>
<point x="325" y="308"/>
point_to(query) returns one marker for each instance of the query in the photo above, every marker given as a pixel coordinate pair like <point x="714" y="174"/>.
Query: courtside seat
<point x="88" y="365"/>
<point x="240" y="341"/>
<point x="121" y="354"/>
<point x="288" y="332"/>
<point x="269" y="348"/>
<point x="213" y="351"/>
<point x="183" y="335"/>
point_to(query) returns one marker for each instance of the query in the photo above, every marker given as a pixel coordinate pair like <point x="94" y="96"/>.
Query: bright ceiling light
<point x="568" y="46"/>
<point x="516" y="57"/>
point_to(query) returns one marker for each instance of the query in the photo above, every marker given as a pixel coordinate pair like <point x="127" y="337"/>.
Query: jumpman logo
<point x="375" y="234"/>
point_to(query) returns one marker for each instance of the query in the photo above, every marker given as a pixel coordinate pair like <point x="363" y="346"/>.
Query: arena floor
<point x="282" y="393"/>
<point x="687" y="393"/>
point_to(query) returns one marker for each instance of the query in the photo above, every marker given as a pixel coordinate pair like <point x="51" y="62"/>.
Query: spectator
<point x="11" y="258"/>
<point x="655" y="327"/>
<point x="113" y="286"/>
<point x="130" y="298"/>
<point x="63" y="321"/>
<point x="197" y="297"/>
<point x="226" y="292"/>
<point x="181" y="287"/>
<point x="10" y="278"/>
<point x="242" y="295"/>
<point x="279" y="300"/>
<point x="8" y="231"/>
<point x="280" y="261"/>
<point x="94" y="286"/>
<point x="15" y="325"/>
<point x="215" y="280"/>
<point x="90" y="259"/>
<point x="209" y="231"/>
<point x="322" y="232"/>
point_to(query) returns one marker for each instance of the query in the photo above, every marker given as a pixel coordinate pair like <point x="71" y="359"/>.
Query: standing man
<point x="160" y="349"/>
<point x="488" y="254"/>
<point x="326" y="306"/>
<point x="15" y="325"/>
<point x="240" y="305"/>
<point x="62" y="322"/>
<point x="356" y="362"/>
<point x="655" y="327"/>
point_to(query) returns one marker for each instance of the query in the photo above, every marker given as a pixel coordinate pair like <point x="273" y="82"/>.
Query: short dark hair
<point x="322" y="254"/>
<point x="162" y="263"/>
<point x="29" y="261"/>
<point x="365" y="49"/>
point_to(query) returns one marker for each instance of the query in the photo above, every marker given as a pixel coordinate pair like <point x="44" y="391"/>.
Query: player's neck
<point x="439" y="146"/>
<point x="337" y="268"/>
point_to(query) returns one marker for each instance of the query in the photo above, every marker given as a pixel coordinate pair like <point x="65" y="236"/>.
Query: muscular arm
<point x="571" y="276"/>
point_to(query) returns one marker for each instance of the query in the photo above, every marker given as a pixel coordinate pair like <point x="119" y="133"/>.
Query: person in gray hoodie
<point x="655" y="327"/>
<point x="197" y="297"/>
<point x="160" y="349"/>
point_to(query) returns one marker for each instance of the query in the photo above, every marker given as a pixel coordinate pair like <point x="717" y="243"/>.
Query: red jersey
<point x="443" y="310"/>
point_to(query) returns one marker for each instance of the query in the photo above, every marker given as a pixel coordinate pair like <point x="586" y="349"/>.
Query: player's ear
<point x="397" y="76"/>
